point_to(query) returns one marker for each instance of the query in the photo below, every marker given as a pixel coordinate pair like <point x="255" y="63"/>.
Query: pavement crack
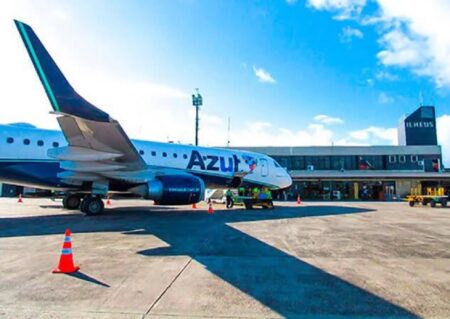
<point x="167" y="288"/>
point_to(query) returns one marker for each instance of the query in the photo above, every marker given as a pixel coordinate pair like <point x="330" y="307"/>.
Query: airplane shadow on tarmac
<point x="287" y="285"/>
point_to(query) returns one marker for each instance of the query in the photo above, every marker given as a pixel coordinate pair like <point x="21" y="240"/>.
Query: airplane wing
<point x="93" y="136"/>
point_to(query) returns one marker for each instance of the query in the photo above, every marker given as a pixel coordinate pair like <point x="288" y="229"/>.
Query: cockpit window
<point x="276" y="164"/>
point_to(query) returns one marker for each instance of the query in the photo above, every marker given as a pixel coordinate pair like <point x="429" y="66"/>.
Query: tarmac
<point x="315" y="260"/>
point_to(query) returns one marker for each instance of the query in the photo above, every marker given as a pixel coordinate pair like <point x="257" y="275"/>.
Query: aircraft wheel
<point x="92" y="206"/>
<point x="71" y="201"/>
<point x="433" y="203"/>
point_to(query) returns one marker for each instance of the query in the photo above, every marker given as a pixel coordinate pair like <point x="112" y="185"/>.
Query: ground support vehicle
<point x="427" y="199"/>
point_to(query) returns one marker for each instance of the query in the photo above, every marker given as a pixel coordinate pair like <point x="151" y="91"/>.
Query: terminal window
<point x="392" y="159"/>
<point x="427" y="113"/>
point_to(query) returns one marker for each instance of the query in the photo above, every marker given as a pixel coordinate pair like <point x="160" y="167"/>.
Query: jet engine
<point x="173" y="190"/>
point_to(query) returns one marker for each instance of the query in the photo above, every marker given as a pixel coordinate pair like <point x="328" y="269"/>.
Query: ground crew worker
<point x="255" y="193"/>
<point x="269" y="193"/>
<point x="229" y="198"/>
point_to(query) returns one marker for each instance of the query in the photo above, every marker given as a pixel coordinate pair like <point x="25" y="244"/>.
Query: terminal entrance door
<point x="264" y="167"/>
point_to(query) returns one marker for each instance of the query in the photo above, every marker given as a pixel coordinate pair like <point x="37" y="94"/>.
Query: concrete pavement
<point x="316" y="260"/>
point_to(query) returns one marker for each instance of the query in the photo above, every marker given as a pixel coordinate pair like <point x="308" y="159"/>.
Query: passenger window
<point x="141" y="152"/>
<point x="26" y="141"/>
<point x="9" y="140"/>
<point x="153" y="153"/>
<point x="164" y="154"/>
<point x="55" y="144"/>
<point x="40" y="143"/>
<point x="184" y="156"/>
<point x="175" y="155"/>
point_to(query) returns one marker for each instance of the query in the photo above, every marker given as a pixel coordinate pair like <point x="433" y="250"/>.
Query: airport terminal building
<point x="367" y="172"/>
<point x="356" y="172"/>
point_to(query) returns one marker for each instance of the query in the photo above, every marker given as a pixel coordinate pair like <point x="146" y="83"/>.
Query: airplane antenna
<point x="229" y="126"/>
<point x="197" y="101"/>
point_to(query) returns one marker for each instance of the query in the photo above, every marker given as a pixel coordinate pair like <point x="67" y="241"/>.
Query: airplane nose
<point x="288" y="180"/>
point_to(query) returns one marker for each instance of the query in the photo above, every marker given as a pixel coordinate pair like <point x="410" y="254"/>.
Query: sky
<point x="286" y="72"/>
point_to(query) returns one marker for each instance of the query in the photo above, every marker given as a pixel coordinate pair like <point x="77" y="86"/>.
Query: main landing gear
<point x="90" y="205"/>
<point x="72" y="201"/>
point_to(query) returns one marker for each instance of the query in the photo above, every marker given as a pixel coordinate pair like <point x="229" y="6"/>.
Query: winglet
<point x="63" y="98"/>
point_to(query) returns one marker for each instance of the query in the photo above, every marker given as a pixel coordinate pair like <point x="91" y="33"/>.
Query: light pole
<point x="197" y="101"/>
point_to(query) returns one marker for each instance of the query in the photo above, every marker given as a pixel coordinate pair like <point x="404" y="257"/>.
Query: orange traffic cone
<point x="20" y="200"/>
<point x="210" y="209"/>
<point x="108" y="201"/>
<point x="194" y="206"/>
<point x="66" y="264"/>
<point x="299" y="200"/>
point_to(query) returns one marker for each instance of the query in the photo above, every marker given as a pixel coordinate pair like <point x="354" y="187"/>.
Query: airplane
<point x="92" y="156"/>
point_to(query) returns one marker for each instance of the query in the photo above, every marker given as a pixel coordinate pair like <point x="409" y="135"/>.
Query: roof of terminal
<point x="368" y="174"/>
<point x="343" y="150"/>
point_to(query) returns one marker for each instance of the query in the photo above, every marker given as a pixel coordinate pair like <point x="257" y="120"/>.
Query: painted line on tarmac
<point x="167" y="288"/>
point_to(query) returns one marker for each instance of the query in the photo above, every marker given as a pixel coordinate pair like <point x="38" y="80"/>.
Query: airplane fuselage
<point x="24" y="161"/>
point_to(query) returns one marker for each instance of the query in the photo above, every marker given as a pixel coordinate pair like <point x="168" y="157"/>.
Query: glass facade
<point x="339" y="190"/>
<point x="360" y="162"/>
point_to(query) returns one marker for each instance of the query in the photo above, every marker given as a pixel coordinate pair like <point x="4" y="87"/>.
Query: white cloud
<point x="344" y="9"/>
<point x="413" y="33"/>
<point x="263" y="76"/>
<point x="417" y="37"/>
<point x="60" y="14"/>
<point x="401" y="49"/>
<point x="373" y="135"/>
<point x="348" y="34"/>
<point x="263" y="134"/>
<point x="386" y="76"/>
<point x="384" y="98"/>
<point x="443" y="132"/>
<point x="327" y="120"/>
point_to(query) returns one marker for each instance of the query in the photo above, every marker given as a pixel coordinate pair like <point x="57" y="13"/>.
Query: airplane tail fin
<point x="63" y="98"/>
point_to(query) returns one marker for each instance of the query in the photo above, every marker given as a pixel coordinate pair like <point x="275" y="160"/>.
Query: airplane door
<point x="264" y="167"/>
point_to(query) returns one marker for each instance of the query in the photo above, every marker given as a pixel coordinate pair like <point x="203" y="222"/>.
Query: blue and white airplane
<point x="93" y="156"/>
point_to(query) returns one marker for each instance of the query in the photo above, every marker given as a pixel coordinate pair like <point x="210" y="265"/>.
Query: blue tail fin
<point x="63" y="98"/>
